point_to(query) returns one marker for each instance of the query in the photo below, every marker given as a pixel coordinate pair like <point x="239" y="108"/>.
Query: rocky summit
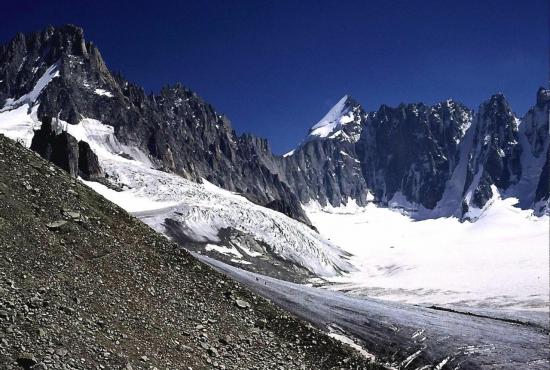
<point x="85" y="285"/>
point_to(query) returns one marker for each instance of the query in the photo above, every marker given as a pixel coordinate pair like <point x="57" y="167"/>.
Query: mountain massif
<point x="432" y="161"/>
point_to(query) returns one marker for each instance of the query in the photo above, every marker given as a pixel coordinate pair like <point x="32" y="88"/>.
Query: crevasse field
<point x="499" y="261"/>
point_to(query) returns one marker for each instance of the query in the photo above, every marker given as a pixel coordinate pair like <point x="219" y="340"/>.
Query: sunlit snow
<point x="337" y="116"/>
<point x="202" y="209"/>
<point x="19" y="124"/>
<point x="499" y="261"/>
<point x="223" y="250"/>
<point x="30" y="98"/>
<point x="103" y="92"/>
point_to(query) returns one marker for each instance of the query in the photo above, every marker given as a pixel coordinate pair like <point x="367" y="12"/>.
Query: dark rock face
<point x="434" y="161"/>
<point x="326" y="169"/>
<point x="496" y="150"/>
<point x="199" y="143"/>
<point x="543" y="187"/>
<point x="59" y="148"/>
<point x="537" y="131"/>
<point x="412" y="150"/>
<point x="62" y="149"/>
<point x="88" y="163"/>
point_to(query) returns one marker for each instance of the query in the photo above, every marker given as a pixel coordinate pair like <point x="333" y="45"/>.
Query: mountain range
<point x="432" y="161"/>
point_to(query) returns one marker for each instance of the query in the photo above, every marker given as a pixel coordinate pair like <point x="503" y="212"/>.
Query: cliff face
<point x="411" y="151"/>
<point x="433" y="161"/>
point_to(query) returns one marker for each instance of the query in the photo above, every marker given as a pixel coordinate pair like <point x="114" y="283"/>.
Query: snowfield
<point x="339" y="115"/>
<point x="499" y="261"/>
<point x="19" y="124"/>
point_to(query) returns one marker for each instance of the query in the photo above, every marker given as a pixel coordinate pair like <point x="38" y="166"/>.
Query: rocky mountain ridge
<point x="431" y="161"/>
<point x="179" y="131"/>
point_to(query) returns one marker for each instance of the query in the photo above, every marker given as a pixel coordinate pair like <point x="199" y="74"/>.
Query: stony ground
<point x="84" y="285"/>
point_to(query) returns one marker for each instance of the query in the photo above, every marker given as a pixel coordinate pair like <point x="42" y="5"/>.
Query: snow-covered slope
<point x="341" y="114"/>
<point x="499" y="261"/>
<point x="19" y="124"/>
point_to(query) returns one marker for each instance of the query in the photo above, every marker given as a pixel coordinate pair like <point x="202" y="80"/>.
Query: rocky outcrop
<point x="88" y="163"/>
<point x="325" y="167"/>
<point x="62" y="149"/>
<point x="496" y="152"/>
<point x="542" y="194"/>
<point x="411" y="151"/>
<point x="537" y="131"/>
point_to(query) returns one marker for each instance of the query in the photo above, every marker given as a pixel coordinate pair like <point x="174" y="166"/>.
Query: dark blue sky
<point x="275" y="67"/>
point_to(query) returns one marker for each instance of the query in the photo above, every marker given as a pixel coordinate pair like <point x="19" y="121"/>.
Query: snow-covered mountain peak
<point x="342" y="113"/>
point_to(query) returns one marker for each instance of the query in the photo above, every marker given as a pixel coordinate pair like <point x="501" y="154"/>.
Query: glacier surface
<point x="499" y="261"/>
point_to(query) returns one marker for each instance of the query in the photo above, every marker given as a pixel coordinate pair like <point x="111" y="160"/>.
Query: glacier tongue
<point x="202" y="210"/>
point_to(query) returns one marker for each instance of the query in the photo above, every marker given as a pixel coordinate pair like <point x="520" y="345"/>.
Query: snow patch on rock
<point x="30" y="98"/>
<point x="339" y="115"/>
<point x="103" y="92"/>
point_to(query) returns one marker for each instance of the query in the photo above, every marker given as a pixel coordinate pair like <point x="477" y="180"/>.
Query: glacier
<point x="202" y="210"/>
<point x="500" y="261"/>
